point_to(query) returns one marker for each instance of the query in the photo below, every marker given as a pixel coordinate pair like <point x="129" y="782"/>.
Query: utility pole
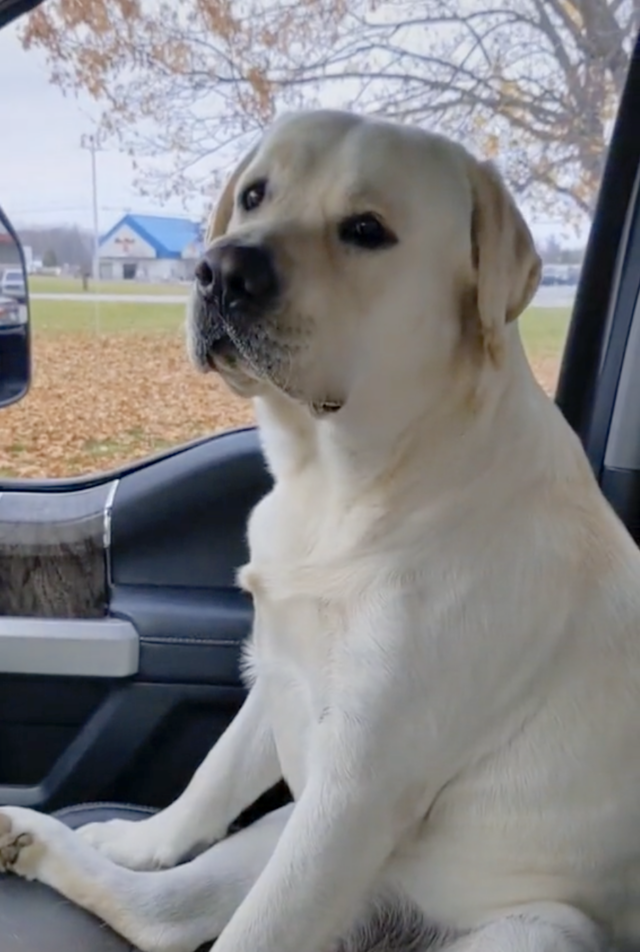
<point x="90" y="142"/>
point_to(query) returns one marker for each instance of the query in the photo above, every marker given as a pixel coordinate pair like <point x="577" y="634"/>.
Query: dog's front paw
<point x="135" y="844"/>
<point x="23" y="841"/>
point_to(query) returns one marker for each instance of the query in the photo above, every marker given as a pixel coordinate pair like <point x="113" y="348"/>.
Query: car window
<point x="120" y="122"/>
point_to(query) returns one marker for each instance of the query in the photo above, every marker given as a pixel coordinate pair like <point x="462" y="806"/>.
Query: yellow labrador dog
<point x="445" y="663"/>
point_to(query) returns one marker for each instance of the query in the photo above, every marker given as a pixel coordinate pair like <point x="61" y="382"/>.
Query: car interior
<point x="120" y="623"/>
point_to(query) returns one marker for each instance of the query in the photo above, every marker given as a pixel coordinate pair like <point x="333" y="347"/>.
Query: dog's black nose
<point x="245" y="274"/>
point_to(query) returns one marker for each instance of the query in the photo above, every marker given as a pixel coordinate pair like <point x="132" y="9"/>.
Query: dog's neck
<point x="368" y="447"/>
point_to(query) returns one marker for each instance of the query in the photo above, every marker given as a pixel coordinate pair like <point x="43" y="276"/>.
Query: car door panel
<point x="150" y="551"/>
<point x="135" y="724"/>
<point x="182" y="521"/>
<point x="39" y="718"/>
<point x="186" y="634"/>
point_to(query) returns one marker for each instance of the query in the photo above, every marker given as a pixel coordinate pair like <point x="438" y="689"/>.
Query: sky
<point x="45" y="175"/>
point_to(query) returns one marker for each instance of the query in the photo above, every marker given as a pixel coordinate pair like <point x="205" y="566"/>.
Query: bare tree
<point x="531" y="83"/>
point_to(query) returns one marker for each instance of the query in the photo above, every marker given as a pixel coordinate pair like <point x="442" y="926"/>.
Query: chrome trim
<point x="106" y="527"/>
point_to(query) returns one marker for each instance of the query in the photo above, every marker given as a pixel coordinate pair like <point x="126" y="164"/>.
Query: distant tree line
<point x="552" y="252"/>
<point x="59" y="245"/>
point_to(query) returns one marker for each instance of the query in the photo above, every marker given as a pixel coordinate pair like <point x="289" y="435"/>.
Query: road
<point x="546" y="297"/>
<point x="114" y="298"/>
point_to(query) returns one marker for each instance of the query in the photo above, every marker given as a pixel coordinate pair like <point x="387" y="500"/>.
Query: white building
<point x="150" y="248"/>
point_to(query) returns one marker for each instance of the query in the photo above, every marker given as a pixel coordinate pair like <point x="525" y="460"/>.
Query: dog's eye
<point x="253" y="195"/>
<point x="366" y="231"/>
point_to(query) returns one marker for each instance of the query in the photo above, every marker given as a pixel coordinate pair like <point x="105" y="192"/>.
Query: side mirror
<point x="15" y="360"/>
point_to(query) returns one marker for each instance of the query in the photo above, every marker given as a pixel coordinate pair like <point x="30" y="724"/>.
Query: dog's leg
<point x="173" y="910"/>
<point x="238" y="769"/>
<point x="540" y="927"/>
<point x="327" y="861"/>
<point x="177" y="910"/>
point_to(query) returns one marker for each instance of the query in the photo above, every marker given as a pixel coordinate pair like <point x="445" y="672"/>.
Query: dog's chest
<point x="295" y="637"/>
<point x="292" y="656"/>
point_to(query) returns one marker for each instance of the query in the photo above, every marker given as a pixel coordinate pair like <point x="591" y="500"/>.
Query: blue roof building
<point x="151" y="248"/>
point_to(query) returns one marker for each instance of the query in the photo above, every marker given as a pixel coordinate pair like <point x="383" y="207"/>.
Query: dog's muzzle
<point x="236" y="285"/>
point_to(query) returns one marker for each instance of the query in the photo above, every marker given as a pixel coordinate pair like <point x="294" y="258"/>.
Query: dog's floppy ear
<point x="507" y="265"/>
<point x="224" y="209"/>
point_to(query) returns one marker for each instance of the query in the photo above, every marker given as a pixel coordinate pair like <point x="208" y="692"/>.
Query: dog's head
<point x="346" y="252"/>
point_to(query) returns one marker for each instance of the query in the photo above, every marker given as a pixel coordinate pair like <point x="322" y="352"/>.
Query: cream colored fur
<point x="445" y="663"/>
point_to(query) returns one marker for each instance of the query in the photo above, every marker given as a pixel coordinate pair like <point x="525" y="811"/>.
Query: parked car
<point x="13" y="283"/>
<point x="10" y="312"/>
<point x="560" y="274"/>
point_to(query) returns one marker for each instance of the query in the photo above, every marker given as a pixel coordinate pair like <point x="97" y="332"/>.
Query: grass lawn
<point x="41" y="284"/>
<point x="112" y="384"/>
<point x="104" y="317"/>
<point x="544" y="330"/>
